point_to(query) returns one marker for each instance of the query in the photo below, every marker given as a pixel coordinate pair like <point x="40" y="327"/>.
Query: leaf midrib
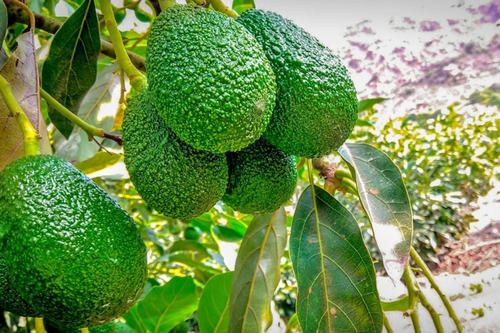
<point x="261" y="251"/>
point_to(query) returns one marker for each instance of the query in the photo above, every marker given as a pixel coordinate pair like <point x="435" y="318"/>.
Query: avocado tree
<point x="234" y="124"/>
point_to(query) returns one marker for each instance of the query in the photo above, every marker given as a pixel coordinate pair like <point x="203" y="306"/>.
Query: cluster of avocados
<point x="68" y="252"/>
<point x="229" y="105"/>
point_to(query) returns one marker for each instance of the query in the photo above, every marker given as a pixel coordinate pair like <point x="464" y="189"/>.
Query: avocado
<point x="10" y="300"/>
<point x="209" y="78"/>
<point x="316" y="104"/>
<point x="69" y="249"/>
<point x="174" y="178"/>
<point x="261" y="178"/>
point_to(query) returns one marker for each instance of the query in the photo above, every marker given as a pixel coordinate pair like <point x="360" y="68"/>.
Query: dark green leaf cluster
<point x="174" y="178"/>
<point x="261" y="178"/>
<point x="209" y="78"/>
<point x="316" y="105"/>
<point x="69" y="250"/>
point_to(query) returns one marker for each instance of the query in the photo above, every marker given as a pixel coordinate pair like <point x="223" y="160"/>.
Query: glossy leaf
<point x="71" y="67"/>
<point x="3" y="30"/>
<point x="133" y="320"/>
<point x="98" y="108"/>
<point x="257" y="271"/>
<point x="337" y="290"/>
<point x="241" y="5"/>
<point x="367" y="104"/>
<point x="385" y="200"/>
<point x="164" y="307"/>
<point x="213" y="310"/>
<point x="98" y="162"/>
<point x="21" y="73"/>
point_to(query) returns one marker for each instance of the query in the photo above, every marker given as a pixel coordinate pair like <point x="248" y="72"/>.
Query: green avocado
<point x="316" y="104"/>
<point x="210" y="79"/>
<point x="174" y="178"/>
<point x="69" y="249"/>
<point x="261" y="178"/>
<point x="10" y="300"/>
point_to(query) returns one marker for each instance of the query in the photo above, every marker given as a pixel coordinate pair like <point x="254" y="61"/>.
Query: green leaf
<point x="213" y="311"/>
<point x="190" y="246"/>
<point x="337" y="290"/>
<point x="225" y="234"/>
<point x="164" y="307"/>
<point x="99" y="161"/>
<point x="385" y="200"/>
<point x="71" y="66"/>
<point x="3" y="30"/>
<point x="257" y="271"/>
<point x="368" y="104"/>
<point x="133" y="320"/>
<point x="241" y="5"/>
<point x="21" y="73"/>
<point x="98" y="108"/>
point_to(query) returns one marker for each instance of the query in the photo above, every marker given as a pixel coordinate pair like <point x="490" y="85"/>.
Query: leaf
<point x="225" y="234"/>
<point x="71" y="66"/>
<point x="367" y="104"/>
<point x="98" y="162"/>
<point x="337" y="290"/>
<point x="213" y="310"/>
<point x="98" y="108"/>
<point x="241" y="5"/>
<point x="385" y="200"/>
<point x="134" y="320"/>
<point x="164" y="307"/>
<point x="3" y="31"/>
<point x="257" y="271"/>
<point x="22" y="74"/>
<point x="190" y="246"/>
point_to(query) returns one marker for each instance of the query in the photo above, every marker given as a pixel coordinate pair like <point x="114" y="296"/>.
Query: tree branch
<point x="17" y="14"/>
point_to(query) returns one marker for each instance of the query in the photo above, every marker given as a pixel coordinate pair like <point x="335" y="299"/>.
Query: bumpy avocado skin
<point x="174" y="178"/>
<point x="69" y="249"/>
<point x="210" y="79"/>
<point x="10" y="300"/>
<point x="261" y="178"/>
<point x="316" y="104"/>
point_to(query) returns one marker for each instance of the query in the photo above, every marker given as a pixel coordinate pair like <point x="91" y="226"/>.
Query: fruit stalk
<point x="137" y="79"/>
<point x="221" y="7"/>
<point x="387" y="325"/>
<point x="413" y="298"/>
<point x="89" y="129"/>
<point x="39" y="328"/>
<point x="426" y="271"/>
<point x="30" y="135"/>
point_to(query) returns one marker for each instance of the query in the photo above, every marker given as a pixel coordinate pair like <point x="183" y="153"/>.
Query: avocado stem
<point x="89" y="129"/>
<point x="39" y="328"/>
<point x="137" y="79"/>
<point x="221" y="7"/>
<point x="165" y="4"/>
<point x="428" y="274"/>
<point x="30" y="135"/>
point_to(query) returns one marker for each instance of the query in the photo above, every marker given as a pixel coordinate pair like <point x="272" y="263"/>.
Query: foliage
<point x="447" y="158"/>
<point x="195" y="275"/>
